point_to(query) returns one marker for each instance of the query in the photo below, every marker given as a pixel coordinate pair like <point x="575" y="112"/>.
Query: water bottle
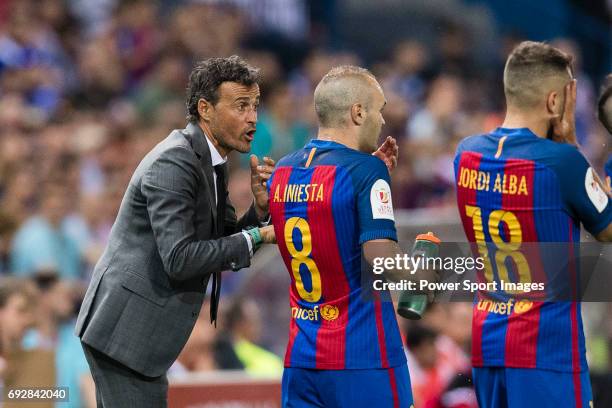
<point x="412" y="305"/>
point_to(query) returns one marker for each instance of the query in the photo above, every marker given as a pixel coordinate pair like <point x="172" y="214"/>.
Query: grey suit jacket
<point x="148" y="287"/>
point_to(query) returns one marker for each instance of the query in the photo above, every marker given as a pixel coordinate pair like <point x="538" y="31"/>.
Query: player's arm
<point x="592" y="203"/>
<point x="606" y="234"/>
<point x="585" y="194"/>
<point x="377" y="233"/>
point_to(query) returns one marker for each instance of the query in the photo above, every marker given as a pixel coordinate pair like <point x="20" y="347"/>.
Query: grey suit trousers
<point x="118" y="386"/>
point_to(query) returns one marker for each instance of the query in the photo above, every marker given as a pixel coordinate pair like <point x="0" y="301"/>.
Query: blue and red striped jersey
<point x="325" y="201"/>
<point x="514" y="187"/>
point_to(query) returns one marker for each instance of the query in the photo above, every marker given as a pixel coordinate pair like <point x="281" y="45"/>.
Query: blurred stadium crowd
<point x="88" y="87"/>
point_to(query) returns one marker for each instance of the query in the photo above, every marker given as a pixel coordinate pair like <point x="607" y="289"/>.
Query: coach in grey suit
<point x="175" y="228"/>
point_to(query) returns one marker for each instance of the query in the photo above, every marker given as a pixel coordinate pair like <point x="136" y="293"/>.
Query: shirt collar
<point x="514" y="132"/>
<point x="325" y="144"/>
<point x="215" y="156"/>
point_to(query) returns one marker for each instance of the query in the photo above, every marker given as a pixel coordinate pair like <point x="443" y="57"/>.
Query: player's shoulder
<point x="292" y="159"/>
<point x="352" y="160"/>
<point x="474" y="143"/>
<point x="364" y="165"/>
<point x="344" y="155"/>
<point x="522" y="144"/>
<point x="563" y="149"/>
<point x="560" y="154"/>
<point x="473" y="140"/>
<point x="369" y="160"/>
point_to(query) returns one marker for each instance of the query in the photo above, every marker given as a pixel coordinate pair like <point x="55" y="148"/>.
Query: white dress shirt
<point x="216" y="159"/>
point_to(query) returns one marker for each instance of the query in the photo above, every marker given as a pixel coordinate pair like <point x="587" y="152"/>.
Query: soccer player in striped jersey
<point x="328" y="201"/>
<point x="528" y="182"/>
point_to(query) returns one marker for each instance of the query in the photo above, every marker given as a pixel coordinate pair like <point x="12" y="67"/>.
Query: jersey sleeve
<point x="374" y="203"/>
<point x="583" y="192"/>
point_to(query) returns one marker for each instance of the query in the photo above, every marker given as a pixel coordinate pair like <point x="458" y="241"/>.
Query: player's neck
<point x="342" y="136"/>
<point x="517" y="120"/>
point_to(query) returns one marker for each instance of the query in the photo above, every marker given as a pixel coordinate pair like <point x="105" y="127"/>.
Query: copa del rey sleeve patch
<point x="380" y="200"/>
<point x="594" y="190"/>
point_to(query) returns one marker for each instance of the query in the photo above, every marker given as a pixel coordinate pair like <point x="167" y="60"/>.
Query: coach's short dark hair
<point x="606" y="93"/>
<point x="528" y="70"/>
<point x="208" y="75"/>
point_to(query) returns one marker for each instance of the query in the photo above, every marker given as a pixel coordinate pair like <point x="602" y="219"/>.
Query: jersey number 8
<point x="302" y="257"/>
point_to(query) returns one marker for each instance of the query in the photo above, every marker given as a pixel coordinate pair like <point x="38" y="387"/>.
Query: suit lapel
<point x="194" y="134"/>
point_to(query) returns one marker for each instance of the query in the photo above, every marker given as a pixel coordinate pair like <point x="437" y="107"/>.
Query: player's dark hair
<point x="528" y="67"/>
<point x="208" y="75"/>
<point x="606" y="93"/>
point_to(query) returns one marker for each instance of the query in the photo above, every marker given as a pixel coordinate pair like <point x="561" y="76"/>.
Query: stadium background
<point x="87" y="87"/>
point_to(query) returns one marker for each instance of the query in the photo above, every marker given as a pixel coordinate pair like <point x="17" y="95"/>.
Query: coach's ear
<point x="204" y="109"/>
<point x="358" y="114"/>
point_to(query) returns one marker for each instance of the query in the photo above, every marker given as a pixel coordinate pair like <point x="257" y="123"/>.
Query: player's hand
<point x="267" y="234"/>
<point x="564" y="126"/>
<point x="388" y="152"/>
<point x="260" y="174"/>
<point x="608" y="187"/>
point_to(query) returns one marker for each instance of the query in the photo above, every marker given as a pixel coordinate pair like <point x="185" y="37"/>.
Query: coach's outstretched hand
<point x="267" y="234"/>
<point x="564" y="126"/>
<point x="260" y="174"/>
<point x="388" y="152"/>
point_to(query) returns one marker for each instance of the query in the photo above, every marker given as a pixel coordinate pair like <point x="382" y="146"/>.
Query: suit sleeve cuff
<point x="249" y="242"/>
